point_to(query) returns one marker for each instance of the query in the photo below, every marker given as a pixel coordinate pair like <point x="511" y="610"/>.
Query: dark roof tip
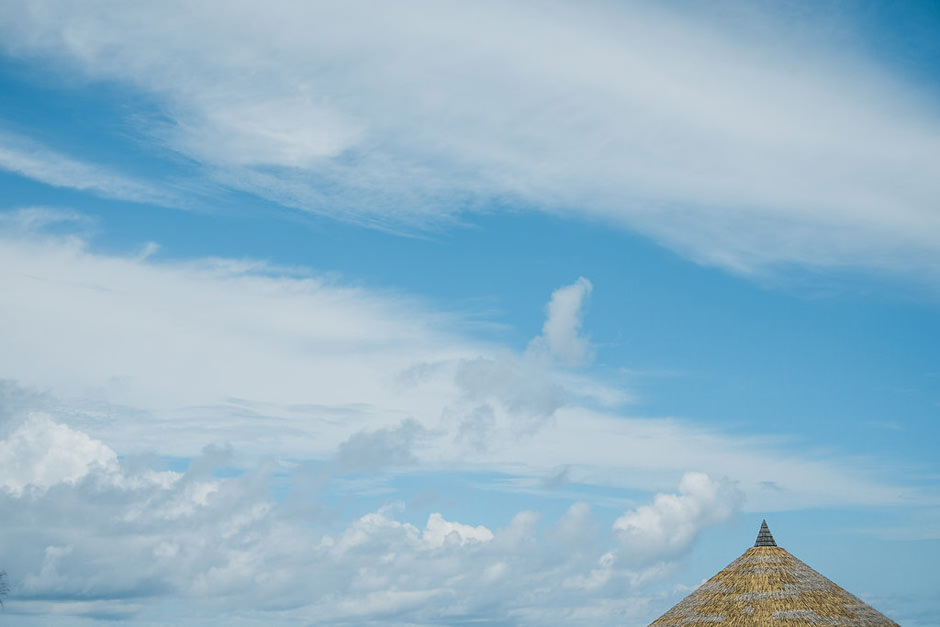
<point x="763" y="536"/>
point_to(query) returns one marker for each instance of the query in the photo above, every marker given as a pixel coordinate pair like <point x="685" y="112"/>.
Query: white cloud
<point x="561" y="333"/>
<point x="165" y="336"/>
<point x="266" y="132"/>
<point x="224" y="545"/>
<point x="607" y="448"/>
<point x="739" y="143"/>
<point x="669" y="525"/>
<point x="42" y="453"/>
<point x="138" y="355"/>
<point x="507" y="395"/>
<point x="28" y="158"/>
<point x="503" y="396"/>
<point x="439" y="531"/>
<point x="176" y="356"/>
<point x="375" y="450"/>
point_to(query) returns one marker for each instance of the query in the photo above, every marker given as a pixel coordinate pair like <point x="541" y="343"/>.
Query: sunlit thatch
<point x="768" y="586"/>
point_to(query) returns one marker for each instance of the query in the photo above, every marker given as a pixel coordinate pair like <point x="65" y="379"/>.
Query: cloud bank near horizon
<point x="136" y="537"/>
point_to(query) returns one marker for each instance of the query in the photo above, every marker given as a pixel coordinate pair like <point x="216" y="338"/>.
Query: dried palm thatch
<point x="768" y="586"/>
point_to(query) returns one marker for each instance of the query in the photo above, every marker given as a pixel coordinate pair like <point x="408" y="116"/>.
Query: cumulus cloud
<point x="41" y="453"/>
<point x="739" y="143"/>
<point x="519" y="394"/>
<point x="516" y="382"/>
<point x="440" y="531"/>
<point x="669" y="525"/>
<point x="503" y="395"/>
<point x="561" y="333"/>
<point x="218" y="542"/>
<point x="219" y="539"/>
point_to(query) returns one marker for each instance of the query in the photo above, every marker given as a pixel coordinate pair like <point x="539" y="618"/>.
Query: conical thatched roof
<point x="768" y="586"/>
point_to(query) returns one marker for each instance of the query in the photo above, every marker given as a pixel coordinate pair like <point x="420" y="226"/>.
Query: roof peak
<point x="763" y="536"/>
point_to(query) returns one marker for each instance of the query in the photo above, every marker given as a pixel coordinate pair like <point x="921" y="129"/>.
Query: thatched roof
<point x="768" y="586"/>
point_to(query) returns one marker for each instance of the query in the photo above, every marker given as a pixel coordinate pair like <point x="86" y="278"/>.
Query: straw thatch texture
<point x="768" y="586"/>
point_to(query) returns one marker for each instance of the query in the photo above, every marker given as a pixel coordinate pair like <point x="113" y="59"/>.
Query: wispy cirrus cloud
<point x="729" y="141"/>
<point x="26" y="157"/>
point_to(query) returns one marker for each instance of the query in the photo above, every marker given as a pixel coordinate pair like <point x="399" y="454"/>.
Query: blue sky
<point x="433" y="313"/>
